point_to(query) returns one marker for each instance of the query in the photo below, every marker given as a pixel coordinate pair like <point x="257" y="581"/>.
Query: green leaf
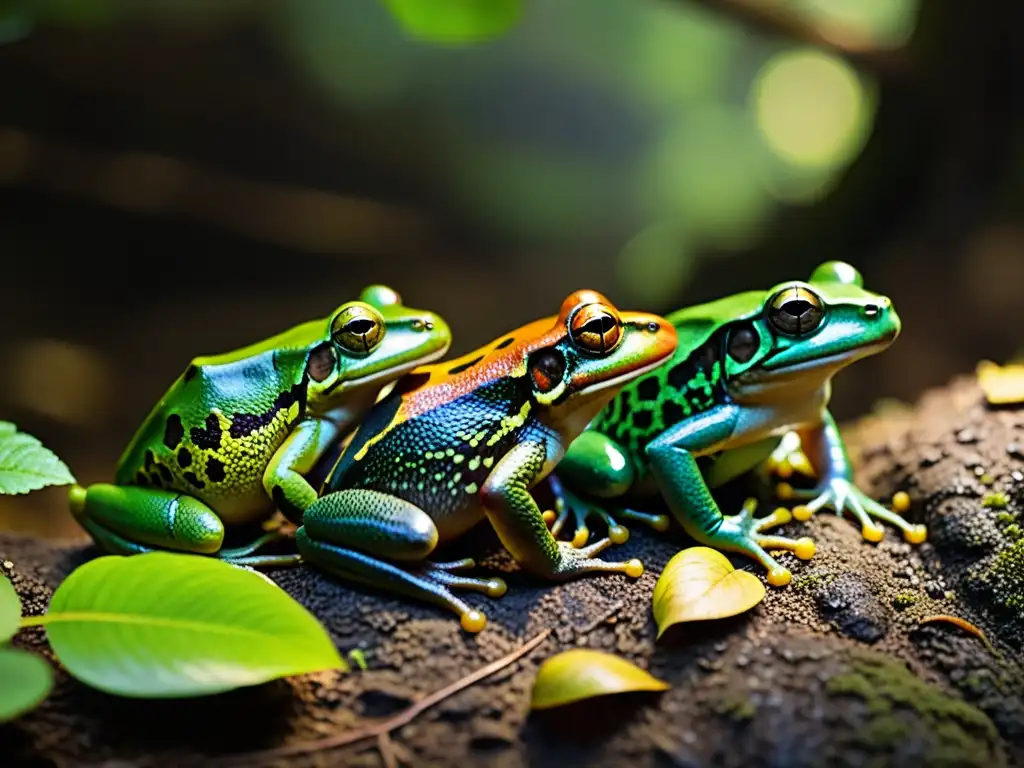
<point x="455" y="21"/>
<point x="163" y="625"/>
<point x="26" y="465"/>
<point x="10" y="610"/>
<point x="582" y="673"/>
<point x="25" y="680"/>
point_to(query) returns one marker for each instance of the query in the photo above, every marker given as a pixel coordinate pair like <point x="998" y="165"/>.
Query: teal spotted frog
<point x="749" y="369"/>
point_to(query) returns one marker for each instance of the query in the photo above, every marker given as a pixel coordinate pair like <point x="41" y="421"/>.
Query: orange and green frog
<point x="236" y="434"/>
<point x="459" y="441"/>
<point x="749" y="369"/>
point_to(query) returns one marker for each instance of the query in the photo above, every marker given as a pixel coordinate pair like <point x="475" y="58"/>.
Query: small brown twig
<point x="382" y="730"/>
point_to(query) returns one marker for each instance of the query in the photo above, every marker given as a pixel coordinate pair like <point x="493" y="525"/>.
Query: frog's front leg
<point x="354" y="533"/>
<point x="285" y="476"/>
<point x="522" y="529"/>
<point x="674" y="466"/>
<point x="823" y="446"/>
<point x="129" y="520"/>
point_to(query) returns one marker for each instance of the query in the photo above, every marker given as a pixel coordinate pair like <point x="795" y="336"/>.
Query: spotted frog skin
<point x="748" y="370"/>
<point x="462" y="440"/>
<point x="233" y="437"/>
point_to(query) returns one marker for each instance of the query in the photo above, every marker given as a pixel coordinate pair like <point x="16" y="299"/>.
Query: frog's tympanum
<point x="458" y="441"/>
<point x="749" y="368"/>
<point x="235" y="435"/>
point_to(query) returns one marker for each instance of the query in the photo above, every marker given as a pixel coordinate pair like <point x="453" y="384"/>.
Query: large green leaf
<point x="10" y="610"/>
<point x="26" y="465"/>
<point x="455" y="21"/>
<point x="163" y="625"/>
<point x="25" y="680"/>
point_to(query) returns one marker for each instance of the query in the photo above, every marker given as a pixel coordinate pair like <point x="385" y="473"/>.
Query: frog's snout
<point x="882" y="311"/>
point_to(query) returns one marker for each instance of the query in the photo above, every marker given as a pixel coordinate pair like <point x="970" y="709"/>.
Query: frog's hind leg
<point x="131" y="520"/>
<point x="350" y="533"/>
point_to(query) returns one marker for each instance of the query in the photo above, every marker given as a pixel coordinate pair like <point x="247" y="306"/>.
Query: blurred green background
<point x="182" y="177"/>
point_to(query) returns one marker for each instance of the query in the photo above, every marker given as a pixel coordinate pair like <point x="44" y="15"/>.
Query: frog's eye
<point x="596" y="328"/>
<point x="743" y="344"/>
<point x="795" y="311"/>
<point x="547" y="368"/>
<point x="357" y="329"/>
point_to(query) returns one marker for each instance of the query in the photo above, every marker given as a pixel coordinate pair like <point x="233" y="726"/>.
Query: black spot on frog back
<point x="174" y="431"/>
<point x="208" y="438"/>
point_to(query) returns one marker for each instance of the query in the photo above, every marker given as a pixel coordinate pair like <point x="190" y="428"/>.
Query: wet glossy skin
<point x="749" y="369"/>
<point x="462" y="440"/>
<point x="233" y="437"/>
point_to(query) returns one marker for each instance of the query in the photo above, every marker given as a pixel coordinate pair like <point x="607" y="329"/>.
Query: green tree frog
<point x="235" y="435"/>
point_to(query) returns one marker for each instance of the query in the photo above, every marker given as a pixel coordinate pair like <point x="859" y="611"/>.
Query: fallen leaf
<point x="1002" y="384"/>
<point x="965" y="625"/>
<point x="164" y="625"/>
<point x="699" y="584"/>
<point x="582" y="673"/>
<point x="10" y="610"/>
<point x="25" y="681"/>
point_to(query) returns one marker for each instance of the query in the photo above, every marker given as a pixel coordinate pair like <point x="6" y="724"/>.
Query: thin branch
<point x="783" y="23"/>
<point x="384" y="728"/>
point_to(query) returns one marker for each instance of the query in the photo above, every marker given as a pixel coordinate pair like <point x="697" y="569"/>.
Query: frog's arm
<point x="824" y="448"/>
<point x="520" y="525"/>
<point x="284" y="478"/>
<point x="673" y="463"/>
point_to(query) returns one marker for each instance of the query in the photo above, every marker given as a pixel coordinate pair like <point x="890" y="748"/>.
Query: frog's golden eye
<point x="596" y="328"/>
<point x="796" y="311"/>
<point x="357" y="329"/>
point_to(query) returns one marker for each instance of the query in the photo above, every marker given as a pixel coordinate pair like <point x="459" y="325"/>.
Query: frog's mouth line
<point x="826" y="361"/>
<point x="387" y="374"/>
<point x="624" y="378"/>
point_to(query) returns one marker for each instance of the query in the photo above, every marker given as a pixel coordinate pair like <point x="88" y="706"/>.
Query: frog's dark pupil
<point x="743" y="343"/>
<point x="797" y="308"/>
<point x="547" y="369"/>
<point x="360" y="326"/>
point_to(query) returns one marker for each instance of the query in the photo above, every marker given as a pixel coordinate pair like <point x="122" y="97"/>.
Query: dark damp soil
<point x="836" y="669"/>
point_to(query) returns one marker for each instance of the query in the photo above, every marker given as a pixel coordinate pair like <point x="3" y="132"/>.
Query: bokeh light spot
<point x="811" y="108"/>
<point x="655" y="266"/>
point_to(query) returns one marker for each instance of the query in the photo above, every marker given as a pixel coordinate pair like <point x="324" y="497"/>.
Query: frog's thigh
<point x="374" y="522"/>
<point x="345" y="532"/>
<point x="284" y="478"/>
<point x="130" y="519"/>
<point x="597" y="465"/>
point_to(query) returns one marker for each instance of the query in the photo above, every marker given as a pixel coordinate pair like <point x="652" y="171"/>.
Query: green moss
<point x="813" y="580"/>
<point x="737" y="707"/>
<point x="1006" y="518"/>
<point x="995" y="500"/>
<point x="1005" y="578"/>
<point x="904" y="600"/>
<point x="961" y="733"/>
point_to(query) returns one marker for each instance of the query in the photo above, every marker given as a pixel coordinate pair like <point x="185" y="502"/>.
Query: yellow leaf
<point x="1003" y="385"/>
<point x="583" y="673"/>
<point x="700" y="583"/>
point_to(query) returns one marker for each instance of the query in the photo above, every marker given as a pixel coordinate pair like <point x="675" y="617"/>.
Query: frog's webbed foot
<point x="447" y="574"/>
<point x="787" y="458"/>
<point x="744" y="533"/>
<point x="569" y="504"/>
<point x="841" y="495"/>
<point x="574" y="561"/>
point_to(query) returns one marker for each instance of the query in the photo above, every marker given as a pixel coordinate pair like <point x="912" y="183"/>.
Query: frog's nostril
<point x="871" y="310"/>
